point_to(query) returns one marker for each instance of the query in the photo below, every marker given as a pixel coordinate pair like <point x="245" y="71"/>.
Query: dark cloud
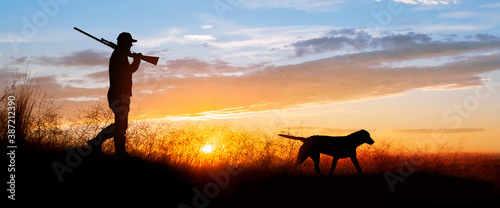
<point x="80" y="58"/>
<point x="396" y="43"/>
<point x="99" y="76"/>
<point x="334" y="40"/>
<point x="17" y="61"/>
<point x="60" y="90"/>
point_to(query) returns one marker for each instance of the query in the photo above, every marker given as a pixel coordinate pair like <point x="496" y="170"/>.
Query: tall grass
<point x="179" y="144"/>
<point x="36" y="114"/>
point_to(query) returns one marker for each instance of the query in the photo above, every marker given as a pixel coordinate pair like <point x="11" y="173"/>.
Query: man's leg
<point x="96" y="143"/>
<point x="120" y="138"/>
<point x="121" y="109"/>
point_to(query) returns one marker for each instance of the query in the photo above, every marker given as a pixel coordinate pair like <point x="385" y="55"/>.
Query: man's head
<point x="125" y="40"/>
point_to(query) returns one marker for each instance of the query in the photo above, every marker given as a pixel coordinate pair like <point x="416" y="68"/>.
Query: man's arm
<point x="135" y="64"/>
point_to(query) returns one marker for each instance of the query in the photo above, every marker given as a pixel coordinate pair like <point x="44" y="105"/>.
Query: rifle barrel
<point x="150" y="59"/>
<point x="87" y="34"/>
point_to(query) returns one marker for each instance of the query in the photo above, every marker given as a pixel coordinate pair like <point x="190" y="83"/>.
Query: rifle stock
<point x="150" y="59"/>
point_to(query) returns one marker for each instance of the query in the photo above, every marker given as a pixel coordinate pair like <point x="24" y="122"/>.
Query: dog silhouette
<point x="338" y="147"/>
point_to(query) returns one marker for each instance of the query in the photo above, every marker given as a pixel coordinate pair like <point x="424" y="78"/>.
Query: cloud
<point x="13" y="38"/>
<point x="493" y="5"/>
<point x="81" y="99"/>
<point x="265" y="37"/>
<point x="306" y="5"/>
<point x="458" y="14"/>
<point x="157" y="52"/>
<point x="451" y="28"/>
<point x="206" y="27"/>
<point x="17" y="61"/>
<point x="98" y="76"/>
<point x="56" y="89"/>
<point x="199" y="37"/>
<point x="88" y="57"/>
<point x="65" y="91"/>
<point x="172" y="35"/>
<point x="428" y="2"/>
<point x="408" y="44"/>
<point x="431" y="131"/>
<point x="261" y="42"/>
<point x="193" y="68"/>
<point x="334" y="40"/>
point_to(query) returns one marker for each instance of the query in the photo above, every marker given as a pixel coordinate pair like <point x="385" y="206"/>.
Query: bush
<point x="36" y="115"/>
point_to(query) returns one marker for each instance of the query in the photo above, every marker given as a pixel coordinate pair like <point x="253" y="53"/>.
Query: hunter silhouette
<point x="119" y="93"/>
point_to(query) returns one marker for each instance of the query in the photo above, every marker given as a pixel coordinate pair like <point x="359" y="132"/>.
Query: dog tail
<point x="292" y="137"/>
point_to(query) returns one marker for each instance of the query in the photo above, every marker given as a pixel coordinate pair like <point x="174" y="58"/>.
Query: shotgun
<point x="150" y="59"/>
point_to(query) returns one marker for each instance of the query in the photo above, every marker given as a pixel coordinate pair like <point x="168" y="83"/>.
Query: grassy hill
<point x="104" y="180"/>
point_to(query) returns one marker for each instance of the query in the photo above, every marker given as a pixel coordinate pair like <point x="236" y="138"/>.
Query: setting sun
<point x="207" y="148"/>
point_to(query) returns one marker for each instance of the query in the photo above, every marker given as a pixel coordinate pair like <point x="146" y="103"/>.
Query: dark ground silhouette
<point x="97" y="180"/>
<point x="103" y="180"/>
<point x="421" y="190"/>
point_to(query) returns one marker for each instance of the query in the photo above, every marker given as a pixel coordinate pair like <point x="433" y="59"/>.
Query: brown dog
<point x="337" y="147"/>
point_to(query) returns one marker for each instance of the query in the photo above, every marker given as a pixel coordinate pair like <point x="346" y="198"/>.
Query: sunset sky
<point x="399" y="68"/>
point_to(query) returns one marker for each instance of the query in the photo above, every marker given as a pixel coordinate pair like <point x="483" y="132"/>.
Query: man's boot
<point x="120" y="150"/>
<point x="96" y="143"/>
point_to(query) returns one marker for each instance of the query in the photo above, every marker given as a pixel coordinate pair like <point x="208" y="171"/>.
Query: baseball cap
<point x="126" y="37"/>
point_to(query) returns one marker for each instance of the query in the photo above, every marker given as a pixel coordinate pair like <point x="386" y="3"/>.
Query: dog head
<point x="364" y="136"/>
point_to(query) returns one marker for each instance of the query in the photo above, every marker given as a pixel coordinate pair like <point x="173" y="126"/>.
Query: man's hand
<point x="137" y="56"/>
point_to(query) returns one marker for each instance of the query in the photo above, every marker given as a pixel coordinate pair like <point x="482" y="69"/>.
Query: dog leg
<point x="334" y="163"/>
<point x="356" y="164"/>
<point x="315" y="158"/>
<point x="301" y="157"/>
